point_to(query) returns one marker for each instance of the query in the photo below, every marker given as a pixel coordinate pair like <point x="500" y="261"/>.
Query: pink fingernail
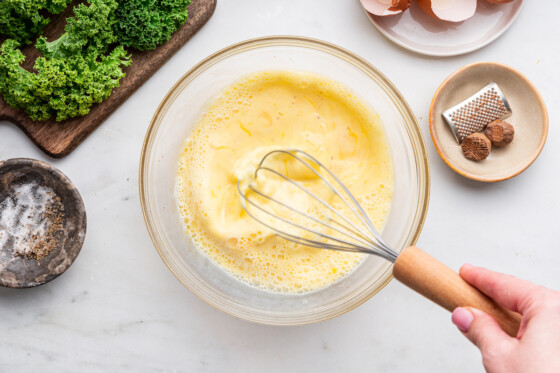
<point x="462" y="318"/>
<point x="467" y="266"/>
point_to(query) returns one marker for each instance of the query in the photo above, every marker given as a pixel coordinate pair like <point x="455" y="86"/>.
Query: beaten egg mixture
<point x="262" y="112"/>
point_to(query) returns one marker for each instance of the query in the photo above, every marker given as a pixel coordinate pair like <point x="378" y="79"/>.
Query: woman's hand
<point x="537" y="346"/>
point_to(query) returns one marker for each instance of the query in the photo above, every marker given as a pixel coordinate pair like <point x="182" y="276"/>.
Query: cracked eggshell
<point x="449" y="10"/>
<point x="385" y="7"/>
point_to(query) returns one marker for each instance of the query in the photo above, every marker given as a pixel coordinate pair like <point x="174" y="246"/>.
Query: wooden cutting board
<point x="58" y="139"/>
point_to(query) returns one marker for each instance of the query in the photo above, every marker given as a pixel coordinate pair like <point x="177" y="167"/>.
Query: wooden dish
<point x="529" y="117"/>
<point x="18" y="272"/>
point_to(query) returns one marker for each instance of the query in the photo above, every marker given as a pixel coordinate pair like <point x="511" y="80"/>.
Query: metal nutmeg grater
<point x="477" y="111"/>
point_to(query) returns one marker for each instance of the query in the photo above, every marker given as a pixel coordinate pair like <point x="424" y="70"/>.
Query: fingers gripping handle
<point x="439" y="283"/>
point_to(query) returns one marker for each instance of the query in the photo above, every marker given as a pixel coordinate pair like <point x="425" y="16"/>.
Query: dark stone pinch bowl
<point x="18" y="272"/>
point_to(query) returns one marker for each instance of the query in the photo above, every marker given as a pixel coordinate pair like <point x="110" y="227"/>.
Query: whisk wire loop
<point x="359" y="212"/>
<point x="320" y="245"/>
<point x="361" y="241"/>
<point x="346" y="245"/>
<point x="356" y="230"/>
<point x="361" y="215"/>
<point x="365" y="241"/>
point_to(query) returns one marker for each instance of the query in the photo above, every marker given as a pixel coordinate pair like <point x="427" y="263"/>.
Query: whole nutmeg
<point x="476" y="146"/>
<point x="500" y="133"/>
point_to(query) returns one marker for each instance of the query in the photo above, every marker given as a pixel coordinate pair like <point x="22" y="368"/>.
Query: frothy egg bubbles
<point x="265" y="111"/>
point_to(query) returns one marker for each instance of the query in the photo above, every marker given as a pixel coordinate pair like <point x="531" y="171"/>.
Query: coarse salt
<point x="24" y="218"/>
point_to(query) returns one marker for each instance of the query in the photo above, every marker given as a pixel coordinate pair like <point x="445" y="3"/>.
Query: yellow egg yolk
<point x="262" y="112"/>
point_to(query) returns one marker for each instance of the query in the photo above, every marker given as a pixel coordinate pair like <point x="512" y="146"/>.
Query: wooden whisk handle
<point x="439" y="283"/>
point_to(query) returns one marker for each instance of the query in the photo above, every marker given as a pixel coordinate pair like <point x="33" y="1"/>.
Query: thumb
<point x="482" y="330"/>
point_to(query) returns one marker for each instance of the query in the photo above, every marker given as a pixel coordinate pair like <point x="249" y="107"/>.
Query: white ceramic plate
<point x="421" y="33"/>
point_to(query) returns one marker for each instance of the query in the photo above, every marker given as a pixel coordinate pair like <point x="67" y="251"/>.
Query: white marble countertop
<point x="118" y="308"/>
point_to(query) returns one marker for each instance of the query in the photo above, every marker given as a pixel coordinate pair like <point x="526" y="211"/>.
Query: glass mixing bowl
<point x="172" y="124"/>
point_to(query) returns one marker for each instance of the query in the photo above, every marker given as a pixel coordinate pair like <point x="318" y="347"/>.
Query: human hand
<point x="537" y="346"/>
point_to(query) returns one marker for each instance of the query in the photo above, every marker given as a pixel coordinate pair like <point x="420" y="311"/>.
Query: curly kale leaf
<point x="78" y="69"/>
<point x="56" y="6"/>
<point x="22" y="20"/>
<point x="71" y="86"/>
<point x="145" y="24"/>
<point x="65" y="87"/>
<point x="74" y="72"/>
<point x="90" y="31"/>
<point x="15" y="82"/>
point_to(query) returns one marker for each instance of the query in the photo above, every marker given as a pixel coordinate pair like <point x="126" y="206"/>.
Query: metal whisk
<point x="351" y="230"/>
<point x="354" y="237"/>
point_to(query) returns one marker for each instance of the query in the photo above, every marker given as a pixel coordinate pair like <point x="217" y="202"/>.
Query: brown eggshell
<point x="377" y="8"/>
<point x="403" y="5"/>
<point x="426" y="6"/>
<point x="457" y="12"/>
